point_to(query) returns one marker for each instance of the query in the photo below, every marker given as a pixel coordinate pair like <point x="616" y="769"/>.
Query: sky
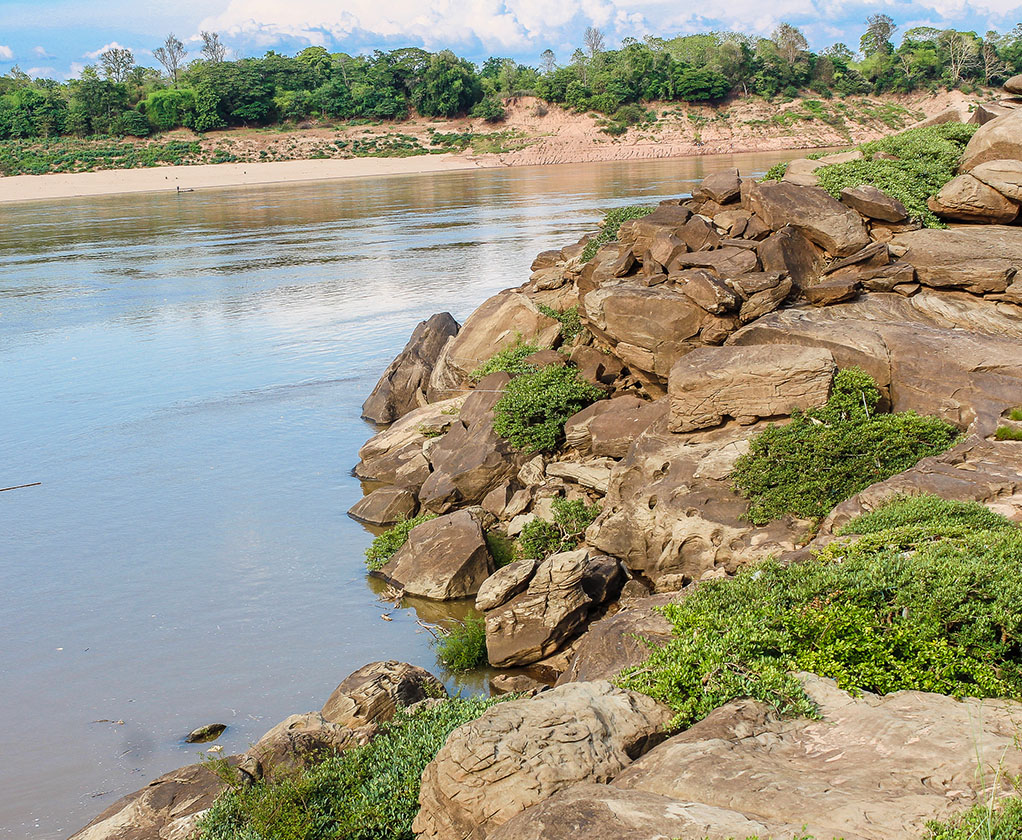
<point x="56" y="38"/>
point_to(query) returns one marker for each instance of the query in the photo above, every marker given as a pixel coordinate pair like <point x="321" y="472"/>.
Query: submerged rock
<point x="205" y="734"/>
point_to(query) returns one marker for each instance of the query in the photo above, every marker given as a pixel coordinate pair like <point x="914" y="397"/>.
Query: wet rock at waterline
<point x="205" y="734"/>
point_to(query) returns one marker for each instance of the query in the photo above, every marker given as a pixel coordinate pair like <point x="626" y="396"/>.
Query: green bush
<point x="1008" y="433"/>
<point x="825" y="455"/>
<point x="386" y="544"/>
<point x="571" y="323"/>
<point x="489" y="109"/>
<point x="929" y="597"/>
<point x="510" y="360"/>
<point x="463" y="646"/>
<point x="776" y="172"/>
<point x="612" y="222"/>
<point x="367" y="793"/>
<point x="539" y="538"/>
<point x="982" y="822"/>
<point x="534" y="406"/>
<point x="924" y="160"/>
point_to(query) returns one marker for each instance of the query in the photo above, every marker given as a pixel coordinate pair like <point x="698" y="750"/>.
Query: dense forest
<point x="206" y="91"/>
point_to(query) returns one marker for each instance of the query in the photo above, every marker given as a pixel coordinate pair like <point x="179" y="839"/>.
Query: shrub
<point x="612" y="222"/>
<point x="539" y="538"/>
<point x="825" y="455"/>
<point x="366" y="793"/>
<point x="1008" y="433"/>
<point x="981" y="822"/>
<point x="534" y="406"/>
<point x="927" y="598"/>
<point x="571" y="323"/>
<point x="776" y="172"/>
<point x="489" y="109"/>
<point x="1015" y="414"/>
<point x="510" y="360"/>
<point x="386" y="544"/>
<point x="924" y="160"/>
<point x="463" y="646"/>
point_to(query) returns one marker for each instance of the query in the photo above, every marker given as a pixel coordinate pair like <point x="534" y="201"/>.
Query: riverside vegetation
<point x="118" y="98"/>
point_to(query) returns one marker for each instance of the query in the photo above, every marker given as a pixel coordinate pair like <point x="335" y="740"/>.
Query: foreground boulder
<point x="999" y="139"/>
<point x="967" y="199"/>
<point x="403" y="384"/>
<point x="385" y="506"/>
<point x="873" y="768"/>
<point x="374" y="692"/>
<point x="444" y="559"/>
<point x="521" y="752"/>
<point x="168" y="808"/>
<point x="746" y="383"/>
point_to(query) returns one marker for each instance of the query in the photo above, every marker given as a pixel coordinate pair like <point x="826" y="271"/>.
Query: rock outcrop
<point x="403" y="384"/>
<point x="521" y="752"/>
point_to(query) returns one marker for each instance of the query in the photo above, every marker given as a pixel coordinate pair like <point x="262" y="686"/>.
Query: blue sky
<point x="56" y="38"/>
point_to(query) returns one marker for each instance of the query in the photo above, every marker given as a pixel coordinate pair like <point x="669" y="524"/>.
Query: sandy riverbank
<point x="208" y="176"/>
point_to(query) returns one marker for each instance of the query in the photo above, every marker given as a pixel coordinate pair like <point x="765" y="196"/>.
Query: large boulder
<point x="521" y="752"/>
<point x="168" y="808"/>
<point x="298" y="741"/>
<point x="868" y="201"/>
<point x="789" y="252"/>
<point x="872" y="768"/>
<point x="374" y="692"/>
<point x="967" y="199"/>
<point x="500" y="321"/>
<point x="385" y="506"/>
<point x="444" y="559"/>
<point x="837" y="229"/>
<point x="526" y="623"/>
<point x="1005" y="176"/>
<point x="395" y="455"/>
<point x="746" y="383"/>
<point x="999" y="139"/>
<point x="471" y="459"/>
<point x="403" y="384"/>
<point x="952" y="356"/>
<point x="983" y="259"/>
<point x="671" y="513"/>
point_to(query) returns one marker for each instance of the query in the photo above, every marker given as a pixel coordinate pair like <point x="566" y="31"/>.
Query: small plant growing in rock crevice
<point x="386" y="544"/>
<point x="826" y="455"/>
<point x="571" y="323"/>
<point x="612" y="222"/>
<point x="1008" y="433"/>
<point x="540" y="538"/>
<point x="509" y="360"/>
<point x="535" y="406"/>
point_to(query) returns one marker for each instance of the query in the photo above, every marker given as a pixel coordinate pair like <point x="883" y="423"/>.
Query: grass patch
<point x="501" y="548"/>
<point x="386" y="544"/>
<point x="776" y="172"/>
<point x="826" y="455"/>
<point x="927" y="597"/>
<point x="924" y="159"/>
<point x="462" y="647"/>
<point x="1015" y="414"/>
<point x="612" y="222"/>
<point x="540" y="538"/>
<point x="982" y="822"/>
<point x="1007" y="433"/>
<point x="366" y="793"/>
<point x="571" y="323"/>
<point x="534" y="406"/>
<point x="510" y="360"/>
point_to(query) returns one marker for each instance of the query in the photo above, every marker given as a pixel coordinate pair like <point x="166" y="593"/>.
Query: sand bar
<point x="206" y="176"/>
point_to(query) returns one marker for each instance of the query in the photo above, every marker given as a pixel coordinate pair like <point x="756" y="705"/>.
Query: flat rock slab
<point x="746" y="383"/>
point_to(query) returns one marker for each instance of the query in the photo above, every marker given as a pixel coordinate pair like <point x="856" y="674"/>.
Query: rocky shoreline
<point x="701" y="325"/>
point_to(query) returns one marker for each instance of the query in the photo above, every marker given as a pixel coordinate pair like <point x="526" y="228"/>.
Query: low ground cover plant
<point x="571" y="323"/>
<point x="923" y="594"/>
<point x="540" y="538"/>
<point x="386" y="544"/>
<point x="983" y="822"/>
<point x="367" y="793"/>
<point x="534" y="407"/>
<point x="825" y="455"/>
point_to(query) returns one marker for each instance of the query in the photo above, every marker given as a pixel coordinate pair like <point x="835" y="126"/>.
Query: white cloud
<point x="113" y="45"/>
<point x="41" y="52"/>
<point x="41" y="72"/>
<point x="6" y="53"/>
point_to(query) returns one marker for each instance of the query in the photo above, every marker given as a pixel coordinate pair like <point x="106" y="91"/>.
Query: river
<point x="182" y="374"/>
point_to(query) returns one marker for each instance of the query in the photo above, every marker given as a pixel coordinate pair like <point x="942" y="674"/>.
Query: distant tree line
<point x="210" y="92"/>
